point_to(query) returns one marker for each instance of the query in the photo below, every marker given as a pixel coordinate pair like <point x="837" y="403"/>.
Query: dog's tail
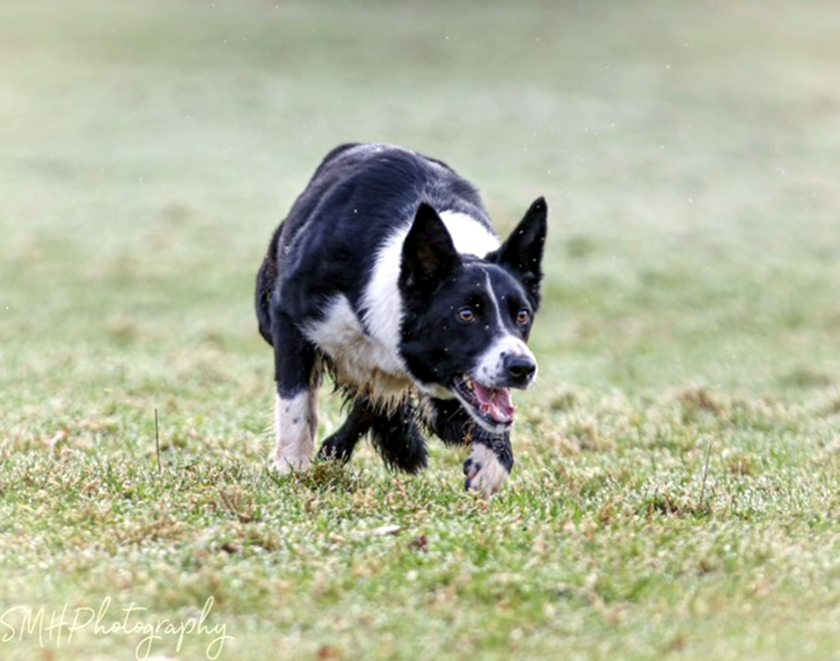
<point x="266" y="280"/>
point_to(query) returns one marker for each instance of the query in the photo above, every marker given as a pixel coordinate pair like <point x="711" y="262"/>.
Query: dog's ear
<point x="428" y="254"/>
<point x="522" y="251"/>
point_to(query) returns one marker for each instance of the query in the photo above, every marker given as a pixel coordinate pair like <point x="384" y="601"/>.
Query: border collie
<point x="388" y="275"/>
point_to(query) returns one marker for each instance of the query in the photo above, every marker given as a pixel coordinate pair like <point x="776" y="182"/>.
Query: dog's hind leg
<point x="298" y="375"/>
<point x="491" y="461"/>
<point x="341" y="444"/>
<point x="399" y="440"/>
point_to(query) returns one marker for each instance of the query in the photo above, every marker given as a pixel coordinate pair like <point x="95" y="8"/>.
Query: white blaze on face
<point x="490" y="368"/>
<point x="296" y="422"/>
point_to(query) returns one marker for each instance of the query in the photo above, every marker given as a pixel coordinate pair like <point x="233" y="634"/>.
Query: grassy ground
<point x="677" y="489"/>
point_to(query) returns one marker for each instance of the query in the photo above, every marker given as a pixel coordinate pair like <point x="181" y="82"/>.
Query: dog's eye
<point x="523" y="317"/>
<point x="467" y="315"/>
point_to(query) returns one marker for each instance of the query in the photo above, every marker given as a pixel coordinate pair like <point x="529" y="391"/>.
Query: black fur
<point x="326" y="247"/>
<point x="395" y="435"/>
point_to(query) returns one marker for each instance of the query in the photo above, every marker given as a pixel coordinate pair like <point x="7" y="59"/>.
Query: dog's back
<point x="303" y="207"/>
<point x="357" y="196"/>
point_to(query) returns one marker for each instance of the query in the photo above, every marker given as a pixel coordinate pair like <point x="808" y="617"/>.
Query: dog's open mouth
<point x="493" y="406"/>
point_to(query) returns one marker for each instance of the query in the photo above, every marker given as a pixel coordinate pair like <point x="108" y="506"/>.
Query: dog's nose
<point x="520" y="369"/>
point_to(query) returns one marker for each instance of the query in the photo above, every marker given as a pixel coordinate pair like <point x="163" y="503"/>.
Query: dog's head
<point x="467" y="319"/>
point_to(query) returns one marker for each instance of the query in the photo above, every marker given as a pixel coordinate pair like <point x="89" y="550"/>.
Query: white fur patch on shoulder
<point x="368" y="361"/>
<point x="490" y="474"/>
<point x="381" y="302"/>
<point x="469" y="235"/>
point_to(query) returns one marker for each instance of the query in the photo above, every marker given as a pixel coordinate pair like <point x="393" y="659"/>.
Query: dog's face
<point x="467" y="320"/>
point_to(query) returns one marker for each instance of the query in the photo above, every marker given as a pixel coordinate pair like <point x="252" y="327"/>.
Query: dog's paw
<point x="286" y="465"/>
<point x="484" y="471"/>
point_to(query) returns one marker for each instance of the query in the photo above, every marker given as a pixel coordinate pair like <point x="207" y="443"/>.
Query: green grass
<point x="677" y="487"/>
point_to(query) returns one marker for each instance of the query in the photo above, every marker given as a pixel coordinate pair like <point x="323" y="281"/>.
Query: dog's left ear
<point x="522" y="251"/>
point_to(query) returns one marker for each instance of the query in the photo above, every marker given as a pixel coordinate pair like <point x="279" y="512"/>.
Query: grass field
<point x="677" y="487"/>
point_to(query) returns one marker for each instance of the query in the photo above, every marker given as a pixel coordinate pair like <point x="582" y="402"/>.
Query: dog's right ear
<point x="428" y="254"/>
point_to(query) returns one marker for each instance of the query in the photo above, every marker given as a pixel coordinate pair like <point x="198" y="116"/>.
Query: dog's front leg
<point x="490" y="463"/>
<point x="297" y="396"/>
<point x="491" y="460"/>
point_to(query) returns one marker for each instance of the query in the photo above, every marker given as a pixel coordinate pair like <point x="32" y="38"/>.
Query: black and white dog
<point x="388" y="274"/>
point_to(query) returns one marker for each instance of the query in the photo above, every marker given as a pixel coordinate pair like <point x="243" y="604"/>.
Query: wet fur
<point x="330" y="297"/>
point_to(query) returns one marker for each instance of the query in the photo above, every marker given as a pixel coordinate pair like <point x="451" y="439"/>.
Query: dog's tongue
<point x="497" y="403"/>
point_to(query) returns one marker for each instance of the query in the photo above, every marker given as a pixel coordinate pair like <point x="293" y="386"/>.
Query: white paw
<point x="485" y="473"/>
<point x="287" y="465"/>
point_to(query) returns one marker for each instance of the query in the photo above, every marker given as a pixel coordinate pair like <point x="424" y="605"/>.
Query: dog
<point x="388" y="275"/>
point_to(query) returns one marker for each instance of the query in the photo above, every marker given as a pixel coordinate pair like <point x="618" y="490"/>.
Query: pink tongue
<point x="497" y="403"/>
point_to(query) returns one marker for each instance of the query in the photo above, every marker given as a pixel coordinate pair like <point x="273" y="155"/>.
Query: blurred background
<point x="688" y="152"/>
<point x="676" y="481"/>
